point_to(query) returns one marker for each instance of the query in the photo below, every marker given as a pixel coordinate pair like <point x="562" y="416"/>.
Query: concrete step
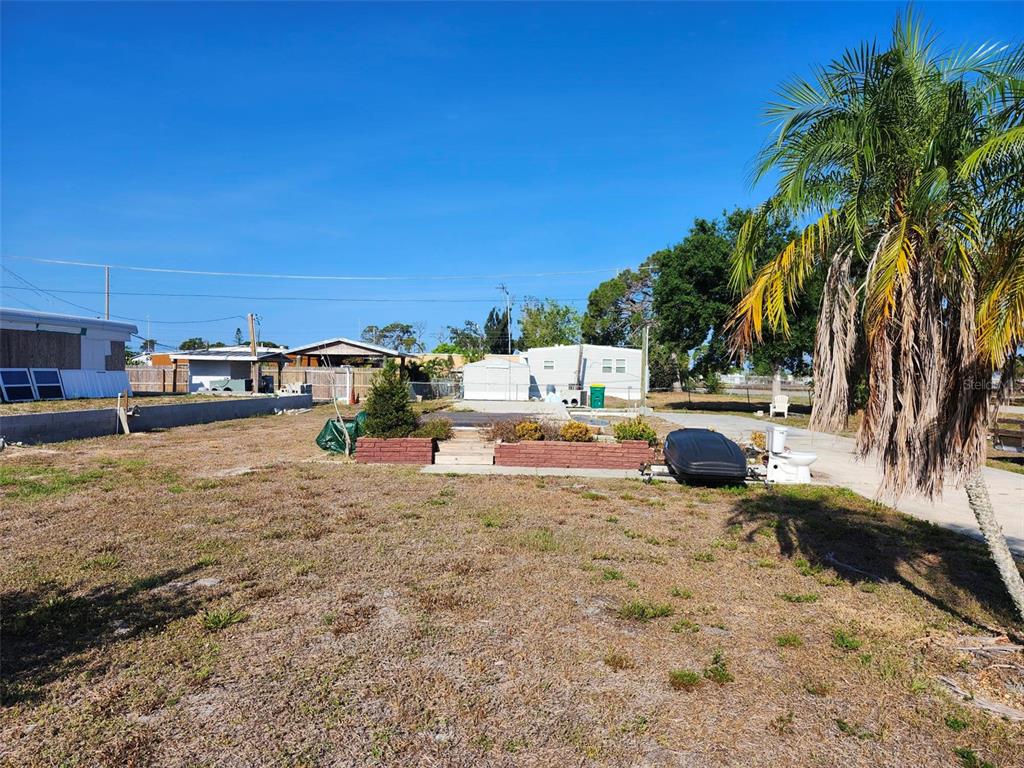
<point x="467" y="451"/>
<point x="453" y="459"/>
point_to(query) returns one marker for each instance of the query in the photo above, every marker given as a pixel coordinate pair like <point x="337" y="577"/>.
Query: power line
<point x="45" y="292"/>
<point x="378" y="278"/>
<point x="342" y="299"/>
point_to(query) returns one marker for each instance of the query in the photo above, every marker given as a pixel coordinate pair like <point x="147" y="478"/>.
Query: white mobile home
<point x="496" y="379"/>
<point x="577" y="366"/>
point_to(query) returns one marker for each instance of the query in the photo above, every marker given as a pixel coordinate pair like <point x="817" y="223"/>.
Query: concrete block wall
<point x="629" y="454"/>
<point x="398" y="450"/>
<point x="57" y="426"/>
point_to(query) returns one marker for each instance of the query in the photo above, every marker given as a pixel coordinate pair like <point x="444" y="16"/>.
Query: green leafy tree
<point x="618" y="309"/>
<point x="238" y="336"/>
<point x="194" y="343"/>
<point x="548" y="323"/>
<point x="496" y="331"/>
<point x="468" y="341"/>
<point x="388" y="412"/>
<point x="402" y="337"/>
<point x="908" y="165"/>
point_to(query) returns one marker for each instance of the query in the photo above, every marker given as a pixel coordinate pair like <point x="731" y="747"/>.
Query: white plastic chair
<point x="780" y="404"/>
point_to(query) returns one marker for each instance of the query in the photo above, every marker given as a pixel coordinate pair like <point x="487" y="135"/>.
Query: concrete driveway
<point x="515" y="407"/>
<point x="838" y="464"/>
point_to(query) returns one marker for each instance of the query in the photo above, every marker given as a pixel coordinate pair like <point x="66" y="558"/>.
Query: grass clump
<point x="105" y="561"/>
<point x="683" y="679"/>
<point x="955" y="723"/>
<point x="617" y="660"/>
<point x="846" y="641"/>
<point x="685" y="625"/>
<point x="718" y="671"/>
<point x="611" y="574"/>
<point x="969" y="758"/>
<point x="808" y="597"/>
<point x="593" y="496"/>
<point x="542" y="540"/>
<point x="686" y="594"/>
<point x="644" y="610"/>
<point x="789" y="640"/>
<point x="704" y="557"/>
<point x="39" y="482"/>
<point x="217" y="619"/>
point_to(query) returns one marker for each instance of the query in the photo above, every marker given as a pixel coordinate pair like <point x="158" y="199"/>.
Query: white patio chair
<point x="780" y="404"/>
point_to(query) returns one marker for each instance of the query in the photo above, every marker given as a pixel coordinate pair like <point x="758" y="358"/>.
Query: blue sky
<point x="386" y="139"/>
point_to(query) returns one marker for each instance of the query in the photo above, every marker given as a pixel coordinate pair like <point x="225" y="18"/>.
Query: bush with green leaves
<point x="575" y="432"/>
<point x="388" y="412"/>
<point x="635" y="429"/>
<point x="712" y="383"/>
<point x="438" y="429"/>
<point x="529" y="430"/>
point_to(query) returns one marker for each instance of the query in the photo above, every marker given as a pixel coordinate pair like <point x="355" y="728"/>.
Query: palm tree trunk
<point x="981" y="505"/>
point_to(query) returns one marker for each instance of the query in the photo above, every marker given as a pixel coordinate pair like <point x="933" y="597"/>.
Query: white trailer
<point x="577" y="366"/>
<point x="496" y="379"/>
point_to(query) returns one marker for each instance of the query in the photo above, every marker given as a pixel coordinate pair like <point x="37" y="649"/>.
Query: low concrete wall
<point x="398" y="450"/>
<point x="75" y="425"/>
<point x="629" y="454"/>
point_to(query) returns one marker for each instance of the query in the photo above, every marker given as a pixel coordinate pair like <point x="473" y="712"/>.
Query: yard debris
<point x="981" y="702"/>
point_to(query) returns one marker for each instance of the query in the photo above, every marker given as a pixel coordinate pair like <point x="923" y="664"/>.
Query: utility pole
<point x="508" y="315"/>
<point x="106" y="291"/>
<point x="644" y="362"/>
<point x="255" y="356"/>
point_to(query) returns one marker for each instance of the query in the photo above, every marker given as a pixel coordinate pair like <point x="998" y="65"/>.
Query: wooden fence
<point x="168" y="379"/>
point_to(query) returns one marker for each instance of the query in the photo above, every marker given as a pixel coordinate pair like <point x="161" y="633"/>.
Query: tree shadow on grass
<point x="730" y="406"/>
<point x="47" y="630"/>
<point x="866" y="542"/>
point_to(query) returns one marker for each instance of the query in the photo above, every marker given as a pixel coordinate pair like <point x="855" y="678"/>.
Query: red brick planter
<point x="397" y="450"/>
<point x="629" y="454"/>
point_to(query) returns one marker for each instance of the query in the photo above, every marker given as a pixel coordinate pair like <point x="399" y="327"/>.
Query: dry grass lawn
<point x="226" y="595"/>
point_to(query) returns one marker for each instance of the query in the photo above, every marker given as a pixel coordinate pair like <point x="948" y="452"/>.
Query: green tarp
<point x="331" y="437"/>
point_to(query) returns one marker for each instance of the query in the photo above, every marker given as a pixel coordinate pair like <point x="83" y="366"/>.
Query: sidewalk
<point x="838" y="464"/>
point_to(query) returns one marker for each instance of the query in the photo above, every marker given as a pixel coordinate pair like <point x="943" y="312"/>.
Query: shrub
<point x="388" y="413"/>
<point x="712" y="383"/>
<point x="529" y="430"/>
<point x="683" y="679"/>
<point x="551" y="429"/>
<point x="504" y="430"/>
<point x="635" y="429"/>
<point x="575" y="432"/>
<point x="758" y="440"/>
<point x="439" y="429"/>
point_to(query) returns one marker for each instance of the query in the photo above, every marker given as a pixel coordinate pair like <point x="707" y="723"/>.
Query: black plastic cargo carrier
<point x="704" y="456"/>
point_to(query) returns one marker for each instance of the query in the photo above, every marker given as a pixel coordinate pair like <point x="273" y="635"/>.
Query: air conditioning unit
<point x="571" y="396"/>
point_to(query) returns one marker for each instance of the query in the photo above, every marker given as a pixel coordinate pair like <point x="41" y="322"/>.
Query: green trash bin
<point x="597" y="395"/>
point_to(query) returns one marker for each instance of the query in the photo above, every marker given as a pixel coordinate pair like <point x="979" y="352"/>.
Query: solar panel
<point x="48" y="384"/>
<point x="16" y="385"/>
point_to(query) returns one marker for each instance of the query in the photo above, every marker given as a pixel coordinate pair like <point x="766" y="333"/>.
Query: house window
<point x="606" y="365"/>
<point x="620" y="365"/>
<point x="549" y="365"/>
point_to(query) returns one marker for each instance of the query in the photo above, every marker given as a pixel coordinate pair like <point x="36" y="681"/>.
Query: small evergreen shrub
<point x="575" y="432"/>
<point x="712" y="383"/>
<point x="529" y="430"/>
<point x="438" y="429"/>
<point x="388" y="413"/>
<point x="635" y="429"/>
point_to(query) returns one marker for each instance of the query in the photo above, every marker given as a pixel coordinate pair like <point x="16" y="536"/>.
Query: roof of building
<point x="239" y="354"/>
<point x="307" y="349"/>
<point x="54" y="320"/>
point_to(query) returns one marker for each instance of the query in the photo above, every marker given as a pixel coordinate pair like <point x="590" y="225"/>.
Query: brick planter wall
<point x="629" y="454"/>
<point x="398" y="450"/>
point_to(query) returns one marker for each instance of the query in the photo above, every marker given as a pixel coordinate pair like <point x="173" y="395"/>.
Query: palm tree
<point x="909" y="167"/>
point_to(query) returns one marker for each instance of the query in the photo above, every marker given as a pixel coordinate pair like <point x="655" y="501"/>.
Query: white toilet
<point x="786" y="466"/>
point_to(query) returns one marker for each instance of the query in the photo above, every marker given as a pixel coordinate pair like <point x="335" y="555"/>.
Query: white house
<point x="577" y="366"/>
<point x="496" y="378"/>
